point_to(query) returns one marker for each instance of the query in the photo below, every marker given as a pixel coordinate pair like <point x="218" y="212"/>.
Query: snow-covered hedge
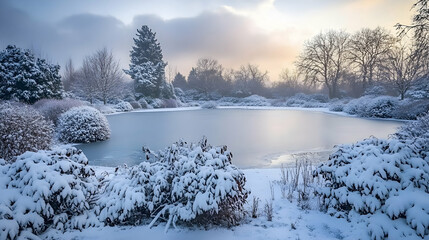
<point x="209" y="105"/>
<point x="46" y="189"/>
<point x="186" y="182"/>
<point x="53" y="108"/>
<point x="386" y="181"/>
<point x="135" y="105"/>
<point x="82" y="125"/>
<point x="253" y="100"/>
<point x="124" y="107"/>
<point x="22" y="129"/>
<point x="367" y="106"/>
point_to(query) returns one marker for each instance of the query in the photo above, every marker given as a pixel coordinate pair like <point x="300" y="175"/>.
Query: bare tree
<point x="366" y="49"/>
<point x="85" y="85"/>
<point x="69" y="75"/>
<point x="403" y="66"/>
<point x="289" y="84"/>
<point x="420" y="30"/>
<point x="324" y="60"/>
<point x="207" y="76"/>
<point x="250" y="79"/>
<point x="101" y="76"/>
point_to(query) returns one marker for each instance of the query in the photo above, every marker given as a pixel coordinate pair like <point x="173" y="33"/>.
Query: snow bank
<point x="82" y="125"/>
<point x="386" y="180"/>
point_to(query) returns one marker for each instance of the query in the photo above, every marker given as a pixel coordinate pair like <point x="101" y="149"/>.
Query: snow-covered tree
<point x="22" y="129"/>
<point x="147" y="67"/>
<point x="100" y="77"/>
<point x="26" y="78"/>
<point x="180" y="81"/>
<point x="82" y="125"/>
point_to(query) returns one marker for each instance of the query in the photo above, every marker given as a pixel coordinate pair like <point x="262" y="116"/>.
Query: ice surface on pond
<point x="257" y="138"/>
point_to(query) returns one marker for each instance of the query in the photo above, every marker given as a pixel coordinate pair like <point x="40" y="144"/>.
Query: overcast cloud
<point x="266" y="33"/>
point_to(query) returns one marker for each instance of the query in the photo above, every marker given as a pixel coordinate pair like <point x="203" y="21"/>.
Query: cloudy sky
<point x="269" y="33"/>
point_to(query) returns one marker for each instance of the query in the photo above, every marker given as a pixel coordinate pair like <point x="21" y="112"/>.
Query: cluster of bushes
<point x="23" y="128"/>
<point x="385" y="181"/>
<point x="186" y="183"/>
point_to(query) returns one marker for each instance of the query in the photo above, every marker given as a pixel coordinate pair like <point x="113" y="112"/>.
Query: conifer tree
<point x="25" y="78"/>
<point x="147" y="67"/>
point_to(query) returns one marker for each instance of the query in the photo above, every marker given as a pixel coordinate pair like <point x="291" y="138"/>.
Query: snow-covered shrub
<point x="143" y="103"/>
<point x="82" y="125"/>
<point x="45" y="189"/>
<point x="253" y="100"/>
<point x="367" y="106"/>
<point x="124" y="107"/>
<point x="387" y="181"/>
<point x="194" y="183"/>
<point x="22" y="129"/>
<point x="411" y="109"/>
<point x="156" y="103"/>
<point x="380" y="107"/>
<point x="336" y="107"/>
<point x="135" y="105"/>
<point x="105" y="109"/>
<point x="307" y="101"/>
<point x="416" y="130"/>
<point x="53" y="108"/>
<point x="209" y="105"/>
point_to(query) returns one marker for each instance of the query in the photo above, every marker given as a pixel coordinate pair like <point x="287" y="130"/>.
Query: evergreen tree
<point x="26" y="78"/>
<point x="180" y="81"/>
<point x="147" y="67"/>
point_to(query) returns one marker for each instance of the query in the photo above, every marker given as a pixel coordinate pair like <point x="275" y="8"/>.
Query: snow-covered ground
<point x="289" y="221"/>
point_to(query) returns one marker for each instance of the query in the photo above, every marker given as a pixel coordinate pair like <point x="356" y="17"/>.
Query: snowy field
<point x="289" y="220"/>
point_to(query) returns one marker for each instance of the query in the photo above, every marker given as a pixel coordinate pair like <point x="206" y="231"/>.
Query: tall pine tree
<point x="25" y="78"/>
<point x="147" y="68"/>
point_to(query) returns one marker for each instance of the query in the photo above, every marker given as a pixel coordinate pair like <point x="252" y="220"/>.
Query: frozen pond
<point x="257" y="138"/>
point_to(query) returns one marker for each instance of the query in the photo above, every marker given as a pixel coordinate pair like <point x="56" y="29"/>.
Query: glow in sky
<point x="268" y="33"/>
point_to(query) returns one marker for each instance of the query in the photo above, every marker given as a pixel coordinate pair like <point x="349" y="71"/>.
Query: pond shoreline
<point x="322" y="110"/>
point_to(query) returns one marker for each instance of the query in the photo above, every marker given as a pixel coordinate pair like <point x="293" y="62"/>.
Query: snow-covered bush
<point x="194" y="183"/>
<point x="53" y="108"/>
<point x="253" y="100"/>
<point x="411" y="109"/>
<point x="45" y="189"/>
<point x="336" y="107"/>
<point x="367" y="106"/>
<point x="82" y="125"/>
<point x="306" y="100"/>
<point x="416" y="130"/>
<point x="387" y="181"/>
<point x="380" y="107"/>
<point x="105" y="109"/>
<point x="135" y="105"/>
<point x="22" y="129"/>
<point x="124" y="107"/>
<point x="209" y="105"/>
<point x="143" y="103"/>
